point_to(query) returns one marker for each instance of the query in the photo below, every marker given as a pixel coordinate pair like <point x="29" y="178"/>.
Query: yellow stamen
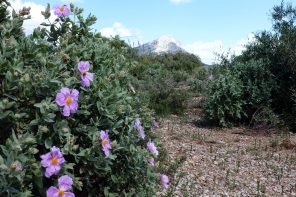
<point x="84" y="73"/>
<point x="162" y="179"/>
<point x="61" y="192"/>
<point x="54" y="161"/>
<point x="68" y="100"/>
<point x="105" y="142"/>
<point x="62" y="9"/>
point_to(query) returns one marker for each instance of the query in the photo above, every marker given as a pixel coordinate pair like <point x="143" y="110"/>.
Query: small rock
<point x="202" y="179"/>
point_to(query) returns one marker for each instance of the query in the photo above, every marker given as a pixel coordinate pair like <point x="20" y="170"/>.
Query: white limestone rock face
<point x="164" y="44"/>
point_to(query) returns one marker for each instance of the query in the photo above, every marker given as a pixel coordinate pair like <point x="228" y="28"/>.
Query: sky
<point x="204" y="27"/>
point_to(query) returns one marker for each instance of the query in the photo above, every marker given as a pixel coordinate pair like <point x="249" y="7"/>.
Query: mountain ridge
<point x="164" y="44"/>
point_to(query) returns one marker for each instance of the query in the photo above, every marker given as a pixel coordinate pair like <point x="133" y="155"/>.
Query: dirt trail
<point x="229" y="162"/>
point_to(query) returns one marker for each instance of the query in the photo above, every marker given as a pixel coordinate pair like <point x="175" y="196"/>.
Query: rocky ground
<point x="227" y="162"/>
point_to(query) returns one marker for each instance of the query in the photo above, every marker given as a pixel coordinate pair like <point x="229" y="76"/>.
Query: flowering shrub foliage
<point x="42" y="143"/>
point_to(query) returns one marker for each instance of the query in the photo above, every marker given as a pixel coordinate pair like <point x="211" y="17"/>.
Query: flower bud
<point x="66" y="150"/>
<point x="13" y="165"/>
<point x="33" y="151"/>
<point x="27" y="77"/>
<point x="121" y="73"/>
<point x="114" y="144"/>
<point x="39" y="55"/>
<point x="72" y="7"/>
<point x="42" y="129"/>
<point x="65" y="58"/>
<point x="34" y="165"/>
<point x="3" y="167"/>
<point x="75" y="147"/>
<point x="45" y="105"/>
<point x="65" y="130"/>
<point x="42" y="61"/>
<point x="18" y="148"/>
<point x="32" y="161"/>
<point x="86" y="97"/>
<point x="5" y="101"/>
<point x="30" y="140"/>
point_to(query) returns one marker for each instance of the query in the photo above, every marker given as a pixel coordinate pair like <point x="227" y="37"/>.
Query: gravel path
<point x="228" y="162"/>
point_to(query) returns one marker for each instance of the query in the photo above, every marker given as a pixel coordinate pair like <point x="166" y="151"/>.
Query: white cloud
<point x="180" y="1"/>
<point x="72" y="1"/>
<point x="130" y="35"/>
<point x="116" y="29"/>
<point x="207" y="50"/>
<point x="37" y="18"/>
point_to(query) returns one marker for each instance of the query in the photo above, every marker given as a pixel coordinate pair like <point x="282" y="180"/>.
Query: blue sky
<point x="202" y="26"/>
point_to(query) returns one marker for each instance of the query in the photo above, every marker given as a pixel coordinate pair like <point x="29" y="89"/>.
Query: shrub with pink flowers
<point x="68" y="113"/>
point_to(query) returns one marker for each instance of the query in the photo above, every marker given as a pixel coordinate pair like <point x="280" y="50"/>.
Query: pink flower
<point x="210" y="77"/>
<point x="20" y="167"/>
<point x="65" y="183"/>
<point x="152" y="147"/>
<point x="61" y="10"/>
<point x="133" y="89"/>
<point x="105" y="142"/>
<point x="138" y="125"/>
<point x="83" y="67"/>
<point x="151" y="161"/>
<point x="69" y="101"/>
<point x="164" y="180"/>
<point x="52" y="161"/>
<point x="155" y="123"/>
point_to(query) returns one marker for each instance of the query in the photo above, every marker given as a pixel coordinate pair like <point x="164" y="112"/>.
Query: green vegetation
<point x="263" y="77"/>
<point x="33" y="70"/>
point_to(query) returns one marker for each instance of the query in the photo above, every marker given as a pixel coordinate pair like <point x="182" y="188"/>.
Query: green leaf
<point x="38" y="181"/>
<point x="9" y="105"/>
<point x="55" y="81"/>
<point x="114" y="178"/>
<point x="48" y="143"/>
<point x="3" y="115"/>
<point x="85" y="112"/>
<point x="39" y="105"/>
<point x="34" y="122"/>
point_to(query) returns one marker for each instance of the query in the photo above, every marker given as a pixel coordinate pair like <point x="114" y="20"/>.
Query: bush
<point x="236" y="95"/>
<point x="33" y="70"/>
<point x="277" y="50"/>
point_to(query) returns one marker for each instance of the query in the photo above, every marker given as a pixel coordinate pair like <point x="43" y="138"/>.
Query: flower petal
<point x="74" y="95"/>
<point x="66" y="92"/>
<point x="66" y="110"/>
<point x="73" y="106"/>
<point x="85" y="83"/>
<point x="89" y="76"/>
<point x="46" y="160"/>
<point x="66" y="11"/>
<point x="103" y="135"/>
<point x="69" y="194"/>
<point x="52" y="192"/>
<point x="60" y="99"/>
<point x="65" y="182"/>
<point x="57" y="168"/>
<point x="49" y="171"/>
<point x="56" y="6"/>
<point x="86" y="66"/>
<point x="81" y="66"/>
